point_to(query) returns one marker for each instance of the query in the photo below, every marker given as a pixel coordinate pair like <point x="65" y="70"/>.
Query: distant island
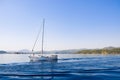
<point x="106" y="50"/>
<point x="2" y="52"/>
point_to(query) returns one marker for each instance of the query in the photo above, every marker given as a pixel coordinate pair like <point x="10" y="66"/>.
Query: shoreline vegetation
<point x="106" y="50"/>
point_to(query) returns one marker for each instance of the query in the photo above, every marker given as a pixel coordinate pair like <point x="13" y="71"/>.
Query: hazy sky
<point x="70" y="24"/>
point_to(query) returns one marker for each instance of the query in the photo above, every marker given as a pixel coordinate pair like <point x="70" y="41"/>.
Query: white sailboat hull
<point x="43" y="58"/>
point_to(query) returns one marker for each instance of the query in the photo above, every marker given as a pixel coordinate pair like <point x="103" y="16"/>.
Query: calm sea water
<point x="68" y="67"/>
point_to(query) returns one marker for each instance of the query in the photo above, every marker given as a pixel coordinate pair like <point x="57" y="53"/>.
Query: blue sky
<point x="70" y="24"/>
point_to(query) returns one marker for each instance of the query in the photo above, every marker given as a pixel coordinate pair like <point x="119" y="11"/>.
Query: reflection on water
<point x="68" y="67"/>
<point x="32" y="70"/>
<point x="46" y="72"/>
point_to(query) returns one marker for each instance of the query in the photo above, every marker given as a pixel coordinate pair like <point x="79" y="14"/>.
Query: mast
<point x="36" y="40"/>
<point x="43" y="35"/>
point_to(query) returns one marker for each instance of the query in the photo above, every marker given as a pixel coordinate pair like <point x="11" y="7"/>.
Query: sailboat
<point x="42" y="57"/>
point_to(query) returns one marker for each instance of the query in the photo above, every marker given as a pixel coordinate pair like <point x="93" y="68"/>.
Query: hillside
<point x="106" y="50"/>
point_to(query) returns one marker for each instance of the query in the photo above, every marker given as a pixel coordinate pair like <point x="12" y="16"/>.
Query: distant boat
<point x="42" y="57"/>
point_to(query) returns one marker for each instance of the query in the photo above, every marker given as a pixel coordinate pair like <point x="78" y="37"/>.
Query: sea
<point x="67" y="67"/>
